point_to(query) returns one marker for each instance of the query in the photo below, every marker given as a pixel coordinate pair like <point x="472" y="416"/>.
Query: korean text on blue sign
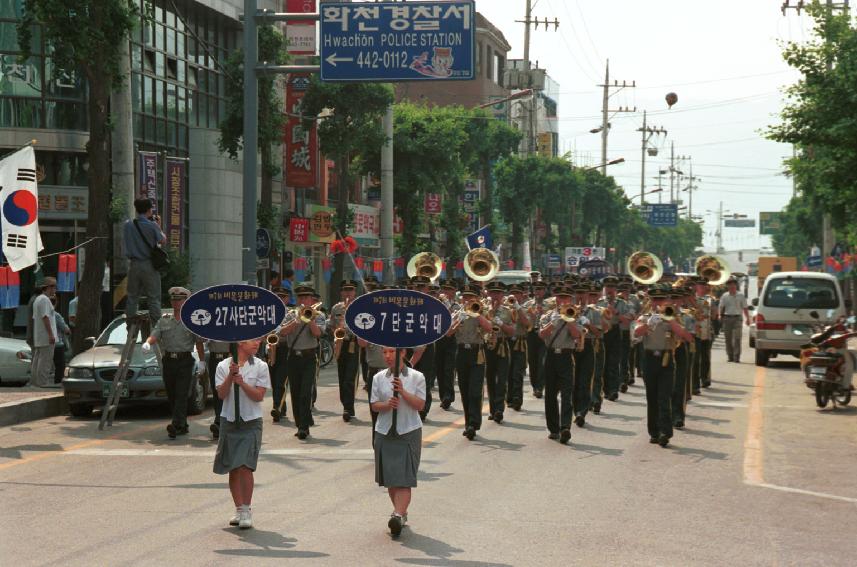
<point x="398" y="41"/>
<point x="663" y="215"/>
<point x="398" y="318"/>
<point x="233" y="312"/>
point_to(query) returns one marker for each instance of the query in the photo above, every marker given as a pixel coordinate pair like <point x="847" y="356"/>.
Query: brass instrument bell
<point x="481" y="264"/>
<point x="426" y="264"/>
<point x="644" y="267"/>
<point x="713" y="268"/>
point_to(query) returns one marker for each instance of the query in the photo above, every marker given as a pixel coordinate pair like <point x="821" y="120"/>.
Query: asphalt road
<point x="760" y="476"/>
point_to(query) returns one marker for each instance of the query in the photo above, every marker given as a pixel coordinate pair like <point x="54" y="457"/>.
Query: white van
<point x="788" y="307"/>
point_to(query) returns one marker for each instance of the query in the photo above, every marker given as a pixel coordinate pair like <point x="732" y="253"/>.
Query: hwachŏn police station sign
<point x="401" y="41"/>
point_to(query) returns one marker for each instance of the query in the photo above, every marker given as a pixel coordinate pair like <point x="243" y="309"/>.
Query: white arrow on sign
<point x="332" y="59"/>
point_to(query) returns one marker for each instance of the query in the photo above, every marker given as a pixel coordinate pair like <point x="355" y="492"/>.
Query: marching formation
<point x="581" y="340"/>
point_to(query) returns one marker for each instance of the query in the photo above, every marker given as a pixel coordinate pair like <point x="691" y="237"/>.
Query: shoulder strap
<point x="137" y="226"/>
<point x="556" y="335"/>
<point x="303" y="328"/>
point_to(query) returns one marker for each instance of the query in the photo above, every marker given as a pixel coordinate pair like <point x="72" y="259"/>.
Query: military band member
<point x="560" y="338"/>
<point x="535" y="345"/>
<point x="683" y="356"/>
<point x="497" y="358"/>
<point x="217" y="352"/>
<point x="613" y="337"/>
<point x="658" y="335"/>
<point x="470" y="359"/>
<point x="518" y="347"/>
<point x="179" y="368"/>
<point x="423" y="358"/>
<point x="704" y="336"/>
<point x="346" y="349"/>
<point x="278" y="357"/>
<point x="445" y="351"/>
<point x="584" y="356"/>
<point x="597" y="393"/>
<point x="302" y="342"/>
<point x="626" y="377"/>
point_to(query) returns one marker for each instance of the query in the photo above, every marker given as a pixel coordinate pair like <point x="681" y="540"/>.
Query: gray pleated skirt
<point x="238" y="446"/>
<point x="397" y="459"/>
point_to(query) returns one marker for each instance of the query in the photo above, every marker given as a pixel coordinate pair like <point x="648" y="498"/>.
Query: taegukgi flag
<point x="19" y="203"/>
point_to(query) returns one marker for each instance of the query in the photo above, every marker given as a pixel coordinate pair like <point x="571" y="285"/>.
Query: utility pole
<point x="387" y="205"/>
<point x="606" y="111"/>
<point x="648" y="132"/>
<point x="672" y="172"/>
<point x="720" y="229"/>
<point x="826" y="224"/>
<point x="691" y="187"/>
<point x="251" y="144"/>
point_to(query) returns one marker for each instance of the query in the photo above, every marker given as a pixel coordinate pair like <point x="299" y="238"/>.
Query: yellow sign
<point x="544" y="144"/>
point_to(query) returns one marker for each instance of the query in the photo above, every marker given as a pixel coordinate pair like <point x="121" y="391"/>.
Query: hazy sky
<point x="721" y="58"/>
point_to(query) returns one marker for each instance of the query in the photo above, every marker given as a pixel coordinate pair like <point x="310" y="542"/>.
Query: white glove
<point x="498" y="321"/>
<point x="200" y="367"/>
<point x="654" y="320"/>
<point x="583" y="321"/>
<point x="147" y="347"/>
<point x="554" y="316"/>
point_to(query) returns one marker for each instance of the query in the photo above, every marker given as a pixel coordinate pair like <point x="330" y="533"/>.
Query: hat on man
<point x="535" y="275"/>
<point x="539" y="285"/>
<point x="515" y="288"/>
<point x="448" y="284"/>
<point x="471" y="289"/>
<point x="304" y="289"/>
<point x="420" y="280"/>
<point x="370" y="279"/>
<point x="610" y="281"/>
<point x="495" y="285"/>
<point x="563" y="290"/>
<point x="178" y="292"/>
<point x="347" y="284"/>
<point x="47" y="282"/>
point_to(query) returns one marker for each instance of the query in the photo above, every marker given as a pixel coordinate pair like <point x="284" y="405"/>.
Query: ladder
<point x="120" y="379"/>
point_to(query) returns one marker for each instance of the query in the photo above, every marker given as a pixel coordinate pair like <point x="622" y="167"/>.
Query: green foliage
<point x="178" y="274"/>
<point x="821" y="120"/>
<point x="800" y="228"/>
<point x="118" y="209"/>
<point x="269" y="217"/>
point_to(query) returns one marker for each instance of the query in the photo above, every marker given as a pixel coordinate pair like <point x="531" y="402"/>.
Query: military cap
<point x="563" y="290"/>
<point x="370" y="279"/>
<point x="515" y="288"/>
<point x="420" y="280"/>
<point x="471" y="289"/>
<point x="448" y="284"/>
<point x="539" y="285"/>
<point x="304" y="289"/>
<point x="495" y="285"/>
<point x="535" y="275"/>
<point x="348" y="284"/>
<point x="610" y="281"/>
<point x="434" y="287"/>
<point x="178" y="292"/>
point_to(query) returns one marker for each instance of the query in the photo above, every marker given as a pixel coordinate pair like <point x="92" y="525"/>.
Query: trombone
<point x="307" y="314"/>
<point x="271" y="341"/>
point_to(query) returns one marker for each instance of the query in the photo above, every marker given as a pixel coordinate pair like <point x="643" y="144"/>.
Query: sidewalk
<point x="27" y="403"/>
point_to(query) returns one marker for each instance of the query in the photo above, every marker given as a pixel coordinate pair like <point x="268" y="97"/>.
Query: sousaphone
<point x="713" y="268"/>
<point x="426" y="264"/>
<point x="481" y="264"/>
<point x="644" y="267"/>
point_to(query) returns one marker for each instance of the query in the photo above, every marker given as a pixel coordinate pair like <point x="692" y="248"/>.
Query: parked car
<point x="89" y="375"/>
<point x="15" y="359"/>
<point x="790" y="304"/>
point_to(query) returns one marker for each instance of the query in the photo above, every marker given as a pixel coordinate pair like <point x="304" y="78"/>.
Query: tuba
<point x="644" y="267"/>
<point x="426" y="264"/>
<point x="713" y="268"/>
<point x="481" y="264"/>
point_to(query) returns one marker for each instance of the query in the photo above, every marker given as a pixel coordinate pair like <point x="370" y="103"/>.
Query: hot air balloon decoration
<point x="672" y="98"/>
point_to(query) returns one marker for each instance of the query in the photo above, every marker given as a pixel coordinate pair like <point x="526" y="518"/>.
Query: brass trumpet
<point x="339" y="334"/>
<point x="271" y="341"/>
<point x="568" y="313"/>
<point x="307" y="314"/>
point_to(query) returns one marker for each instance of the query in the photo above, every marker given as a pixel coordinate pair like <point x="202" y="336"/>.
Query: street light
<point x="611" y="162"/>
<point x="658" y="190"/>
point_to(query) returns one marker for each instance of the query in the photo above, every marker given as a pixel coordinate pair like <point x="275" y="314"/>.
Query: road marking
<point x="804" y="492"/>
<point x="207" y="453"/>
<point x="440" y="433"/>
<point x="753" y="456"/>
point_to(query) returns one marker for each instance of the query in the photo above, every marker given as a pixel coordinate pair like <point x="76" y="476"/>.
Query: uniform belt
<point x="561" y="351"/>
<point x="654" y="352"/>
<point x="176" y="354"/>
<point x="304" y="351"/>
<point x="470" y="346"/>
<point x="220" y="355"/>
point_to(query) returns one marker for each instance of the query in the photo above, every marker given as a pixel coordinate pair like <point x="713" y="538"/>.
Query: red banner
<point x="298" y="229"/>
<point x="301" y="147"/>
<point x="432" y="203"/>
<point x="175" y="181"/>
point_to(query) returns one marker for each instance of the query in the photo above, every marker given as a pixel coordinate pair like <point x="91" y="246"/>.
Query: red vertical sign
<point x="174" y="193"/>
<point x="301" y="147"/>
<point x="301" y="35"/>
<point x="433" y="203"/>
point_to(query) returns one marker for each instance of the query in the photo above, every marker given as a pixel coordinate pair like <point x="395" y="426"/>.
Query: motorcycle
<point x="827" y="363"/>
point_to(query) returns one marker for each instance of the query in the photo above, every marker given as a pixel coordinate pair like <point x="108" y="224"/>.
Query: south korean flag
<point x="19" y="200"/>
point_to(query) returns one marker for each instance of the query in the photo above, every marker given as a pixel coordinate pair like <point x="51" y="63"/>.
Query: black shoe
<point x="275" y="413"/>
<point x="613" y="397"/>
<point x="653" y="440"/>
<point x="580" y="421"/>
<point x="679" y="424"/>
<point x="464" y="433"/>
<point x="395" y="525"/>
<point x="596" y="409"/>
<point x="215" y="430"/>
<point x="346" y="417"/>
<point x="517" y="406"/>
<point x="706" y="384"/>
<point x="470" y="433"/>
<point x="302" y="434"/>
<point x="565" y="436"/>
<point x="696" y="392"/>
<point x="445" y="404"/>
<point x="553" y="436"/>
<point x="172" y="431"/>
<point x="632" y="381"/>
<point x="537" y="393"/>
<point x="498" y="417"/>
<point x="623" y="388"/>
<point x="183" y="430"/>
<point x="491" y="417"/>
<point x="663" y="440"/>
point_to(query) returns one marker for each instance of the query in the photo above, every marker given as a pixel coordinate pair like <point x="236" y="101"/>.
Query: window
<point x="489" y="62"/>
<point x="20" y="113"/>
<point x="802" y="293"/>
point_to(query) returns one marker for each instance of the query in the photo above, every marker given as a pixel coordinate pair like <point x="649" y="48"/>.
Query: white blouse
<point x="255" y="373"/>
<point x="407" y="418"/>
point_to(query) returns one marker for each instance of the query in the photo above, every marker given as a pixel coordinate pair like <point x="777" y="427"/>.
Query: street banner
<point x="301" y="147"/>
<point x="300" y="35"/>
<point x="232" y="312"/>
<point x="66" y="273"/>
<point x="433" y="203"/>
<point x="298" y="229"/>
<point x="10" y="288"/>
<point x="398" y="318"/>
<point x="19" y="196"/>
<point x="480" y="239"/>
<point x="470" y="203"/>
<point x="366" y="225"/>
<point x="175" y="181"/>
<point x="769" y="222"/>
<point x="387" y="42"/>
<point x="147" y="175"/>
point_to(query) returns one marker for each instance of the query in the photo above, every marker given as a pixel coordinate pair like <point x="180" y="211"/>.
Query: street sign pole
<point x="251" y="143"/>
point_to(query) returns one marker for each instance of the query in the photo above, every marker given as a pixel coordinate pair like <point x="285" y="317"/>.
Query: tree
<point x="272" y="48"/>
<point x="352" y="124"/>
<point x="519" y="182"/>
<point x="800" y="228"/>
<point x="84" y="36"/>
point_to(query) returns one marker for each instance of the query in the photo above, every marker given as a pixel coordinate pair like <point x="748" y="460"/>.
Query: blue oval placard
<point x="232" y="312"/>
<point x="398" y="318"/>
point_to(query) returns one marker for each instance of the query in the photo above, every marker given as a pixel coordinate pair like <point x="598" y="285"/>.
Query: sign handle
<point x="395" y="393"/>
<point x="233" y="350"/>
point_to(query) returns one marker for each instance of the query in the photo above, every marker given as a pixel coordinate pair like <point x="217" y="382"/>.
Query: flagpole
<point x="32" y="142"/>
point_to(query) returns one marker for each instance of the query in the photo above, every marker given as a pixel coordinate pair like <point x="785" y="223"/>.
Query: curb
<point x="30" y="409"/>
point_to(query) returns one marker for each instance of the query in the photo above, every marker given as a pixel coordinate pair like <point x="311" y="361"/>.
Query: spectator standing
<point x="140" y="236"/>
<point x="61" y="345"/>
<point x="44" y="335"/>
